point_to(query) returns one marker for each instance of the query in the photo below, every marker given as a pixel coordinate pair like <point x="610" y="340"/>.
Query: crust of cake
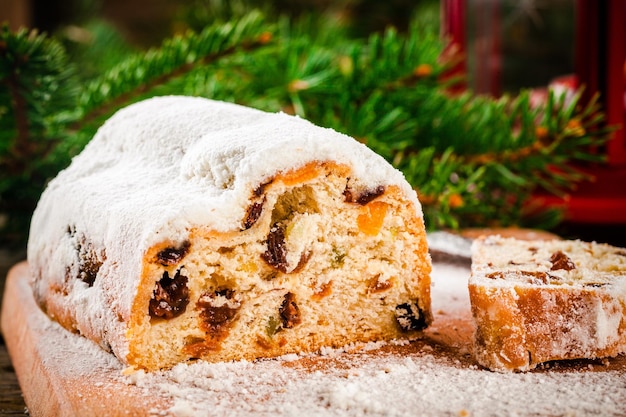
<point x="516" y="331"/>
<point x="525" y="316"/>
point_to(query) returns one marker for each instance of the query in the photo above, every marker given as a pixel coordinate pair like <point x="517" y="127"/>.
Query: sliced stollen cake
<point x="544" y="300"/>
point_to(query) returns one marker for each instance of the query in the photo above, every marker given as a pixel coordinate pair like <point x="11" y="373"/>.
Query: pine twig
<point x="175" y="58"/>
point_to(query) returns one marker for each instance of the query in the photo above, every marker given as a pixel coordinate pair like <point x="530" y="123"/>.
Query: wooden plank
<point x="56" y="382"/>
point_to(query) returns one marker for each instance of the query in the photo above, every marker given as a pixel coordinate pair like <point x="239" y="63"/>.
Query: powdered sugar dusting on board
<point x="425" y="377"/>
<point x="384" y="385"/>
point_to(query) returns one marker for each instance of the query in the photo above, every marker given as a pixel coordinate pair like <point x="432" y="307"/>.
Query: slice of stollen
<point x="539" y="301"/>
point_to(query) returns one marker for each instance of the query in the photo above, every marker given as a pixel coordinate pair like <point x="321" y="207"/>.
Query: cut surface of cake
<point x="195" y="229"/>
<point x="539" y="301"/>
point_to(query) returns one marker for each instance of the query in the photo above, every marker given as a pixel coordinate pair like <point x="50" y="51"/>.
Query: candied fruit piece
<point x="273" y="326"/>
<point x="324" y="290"/>
<point x="338" y="257"/>
<point x="561" y="261"/>
<point x="294" y="201"/>
<point x="377" y="285"/>
<point x="289" y="311"/>
<point x="301" y="175"/>
<point x="371" y="217"/>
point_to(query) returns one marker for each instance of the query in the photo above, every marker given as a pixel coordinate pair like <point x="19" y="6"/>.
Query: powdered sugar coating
<point x="512" y="262"/>
<point x="162" y="167"/>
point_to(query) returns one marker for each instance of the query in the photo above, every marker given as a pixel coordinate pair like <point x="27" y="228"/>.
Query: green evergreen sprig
<point x="174" y="58"/>
<point x="47" y="115"/>
<point x="36" y="84"/>
<point x="475" y="161"/>
<point x="510" y="150"/>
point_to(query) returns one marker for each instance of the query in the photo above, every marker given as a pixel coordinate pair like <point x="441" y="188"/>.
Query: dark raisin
<point x="365" y="197"/>
<point x="88" y="267"/>
<point x="276" y="254"/>
<point x="89" y="259"/>
<point x="227" y="292"/>
<point x="561" y="261"/>
<point x="376" y="285"/>
<point x="172" y="256"/>
<point x="347" y="194"/>
<point x="370" y="195"/>
<point x="304" y="259"/>
<point x="253" y="214"/>
<point x="410" y="317"/>
<point x="170" y="296"/>
<point x="270" y="276"/>
<point x="217" y="309"/>
<point x="258" y="191"/>
<point x="289" y="311"/>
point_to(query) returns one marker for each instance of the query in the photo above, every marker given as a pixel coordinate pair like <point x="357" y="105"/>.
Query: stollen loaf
<point x="195" y="229"/>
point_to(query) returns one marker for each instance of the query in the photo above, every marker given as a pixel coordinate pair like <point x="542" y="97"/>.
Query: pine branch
<point x="20" y="145"/>
<point x="37" y="86"/>
<point x="176" y="57"/>
<point x="495" y="186"/>
<point x="474" y="160"/>
<point x="37" y="82"/>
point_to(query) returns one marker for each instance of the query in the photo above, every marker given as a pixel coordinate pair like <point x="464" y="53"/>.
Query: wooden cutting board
<point x="63" y="374"/>
<point x="56" y="379"/>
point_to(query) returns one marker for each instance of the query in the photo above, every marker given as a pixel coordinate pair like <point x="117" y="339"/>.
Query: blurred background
<point x="510" y="44"/>
<point x="506" y="45"/>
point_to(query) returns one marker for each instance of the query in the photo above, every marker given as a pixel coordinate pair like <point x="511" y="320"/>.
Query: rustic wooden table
<point x="11" y="400"/>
